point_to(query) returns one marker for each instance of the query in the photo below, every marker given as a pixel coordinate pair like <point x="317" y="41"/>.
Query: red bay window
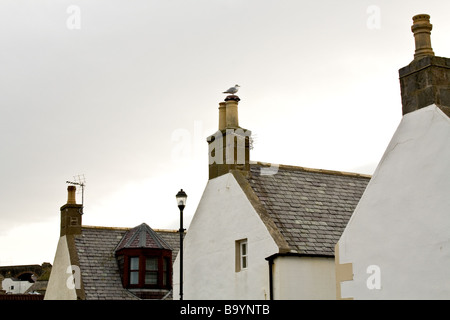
<point x="146" y="268"/>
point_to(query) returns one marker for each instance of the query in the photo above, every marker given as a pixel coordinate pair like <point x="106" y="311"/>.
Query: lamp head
<point x="181" y="199"/>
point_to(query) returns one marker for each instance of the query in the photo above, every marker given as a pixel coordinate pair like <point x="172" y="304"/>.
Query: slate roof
<point x="99" y="269"/>
<point x="310" y="207"/>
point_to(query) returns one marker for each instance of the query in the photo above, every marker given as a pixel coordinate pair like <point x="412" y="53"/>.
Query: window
<point x="151" y="271"/>
<point x="241" y="255"/>
<point x="134" y="270"/>
<point x="243" y="245"/>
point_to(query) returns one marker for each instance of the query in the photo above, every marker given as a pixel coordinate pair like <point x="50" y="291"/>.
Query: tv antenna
<point x="79" y="180"/>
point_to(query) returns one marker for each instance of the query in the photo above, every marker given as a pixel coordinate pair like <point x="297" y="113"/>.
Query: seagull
<point x="232" y="90"/>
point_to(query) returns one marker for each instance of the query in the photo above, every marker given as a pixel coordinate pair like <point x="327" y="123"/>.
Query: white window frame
<point x="241" y="257"/>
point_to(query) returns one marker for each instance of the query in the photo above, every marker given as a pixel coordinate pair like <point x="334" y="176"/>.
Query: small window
<point x="241" y="255"/>
<point x="134" y="270"/>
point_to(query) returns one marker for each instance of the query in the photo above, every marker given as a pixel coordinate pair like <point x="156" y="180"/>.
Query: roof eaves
<point x="296" y="254"/>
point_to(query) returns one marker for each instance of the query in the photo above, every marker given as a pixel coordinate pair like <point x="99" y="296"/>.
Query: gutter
<point x="270" y="279"/>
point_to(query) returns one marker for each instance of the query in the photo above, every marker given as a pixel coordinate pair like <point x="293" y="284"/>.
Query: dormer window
<point x="146" y="268"/>
<point x="145" y="261"/>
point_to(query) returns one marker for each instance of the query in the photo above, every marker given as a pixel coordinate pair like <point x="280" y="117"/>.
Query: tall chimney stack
<point x="229" y="147"/>
<point x="71" y="214"/>
<point x="426" y="80"/>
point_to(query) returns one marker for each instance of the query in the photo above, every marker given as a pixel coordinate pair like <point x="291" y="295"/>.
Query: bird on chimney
<point x="232" y="90"/>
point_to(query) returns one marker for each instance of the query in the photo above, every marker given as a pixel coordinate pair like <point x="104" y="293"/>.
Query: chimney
<point x="71" y="214"/>
<point x="229" y="147"/>
<point x="426" y="80"/>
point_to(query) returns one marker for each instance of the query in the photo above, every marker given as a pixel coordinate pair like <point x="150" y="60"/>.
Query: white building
<point x="264" y="231"/>
<point x="397" y="243"/>
<point x="15" y="286"/>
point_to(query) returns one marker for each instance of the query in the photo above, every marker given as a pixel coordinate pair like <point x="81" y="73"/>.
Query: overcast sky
<point x="126" y="92"/>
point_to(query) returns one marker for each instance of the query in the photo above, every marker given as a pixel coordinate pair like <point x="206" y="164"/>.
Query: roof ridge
<point x="166" y="230"/>
<point x="106" y="228"/>
<point x="126" y="228"/>
<point x="306" y="169"/>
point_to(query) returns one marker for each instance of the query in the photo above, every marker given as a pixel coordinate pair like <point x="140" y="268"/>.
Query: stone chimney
<point x="71" y="214"/>
<point x="229" y="147"/>
<point x="426" y="80"/>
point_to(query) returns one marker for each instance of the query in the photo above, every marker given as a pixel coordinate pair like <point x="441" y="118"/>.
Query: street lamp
<point x="181" y="201"/>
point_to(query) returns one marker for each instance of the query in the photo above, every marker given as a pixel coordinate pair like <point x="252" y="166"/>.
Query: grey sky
<point x="129" y="98"/>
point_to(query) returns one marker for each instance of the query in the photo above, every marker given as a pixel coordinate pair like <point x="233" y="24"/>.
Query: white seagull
<point x="232" y="90"/>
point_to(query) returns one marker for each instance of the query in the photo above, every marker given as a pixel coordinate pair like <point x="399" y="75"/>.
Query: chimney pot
<point x="232" y="119"/>
<point x="422" y="34"/>
<point x="71" y="190"/>
<point x="222" y="116"/>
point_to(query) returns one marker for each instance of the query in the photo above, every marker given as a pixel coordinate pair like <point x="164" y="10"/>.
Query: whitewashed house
<point x="15" y="286"/>
<point x="263" y="231"/>
<point x="397" y="243"/>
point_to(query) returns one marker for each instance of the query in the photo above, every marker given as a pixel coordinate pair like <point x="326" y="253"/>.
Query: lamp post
<point x="181" y="201"/>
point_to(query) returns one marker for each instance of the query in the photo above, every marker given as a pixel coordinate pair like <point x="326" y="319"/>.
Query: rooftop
<point x="309" y="207"/>
<point x="96" y="248"/>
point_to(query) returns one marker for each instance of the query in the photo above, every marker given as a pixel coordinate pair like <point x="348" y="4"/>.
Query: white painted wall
<point x="402" y="222"/>
<point x="57" y="288"/>
<point x="15" y="286"/>
<point x="223" y="216"/>
<point x="297" y="278"/>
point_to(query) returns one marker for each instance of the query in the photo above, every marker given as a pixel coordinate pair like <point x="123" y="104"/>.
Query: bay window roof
<point x="141" y="237"/>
